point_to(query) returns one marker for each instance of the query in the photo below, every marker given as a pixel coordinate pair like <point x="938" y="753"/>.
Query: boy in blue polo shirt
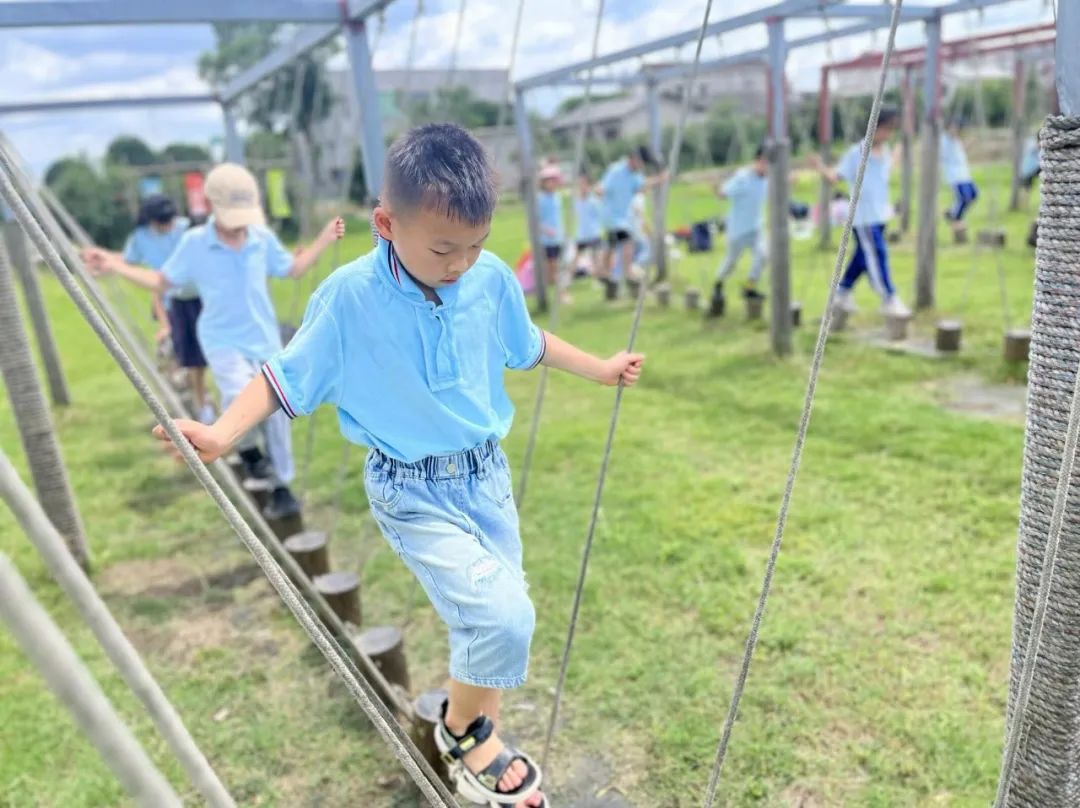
<point x="150" y="244"/>
<point x="957" y="175"/>
<point x="871" y="215"/>
<point x="620" y="183"/>
<point x="588" y="223"/>
<point x="746" y="190"/>
<point x="228" y="261"/>
<point x="549" y="210"/>
<point x="410" y="343"/>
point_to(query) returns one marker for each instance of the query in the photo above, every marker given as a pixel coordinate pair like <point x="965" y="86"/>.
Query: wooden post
<point x="692" y="298"/>
<point x="311" y="551"/>
<point x="948" y="336"/>
<point x="796" y="314"/>
<point x="779" y="195"/>
<point x="663" y="295"/>
<point x="386" y="647"/>
<point x="926" y="249"/>
<point x="259" y="489"/>
<point x="907" y="140"/>
<point x="1019" y="101"/>
<point x="659" y="245"/>
<point x="342" y="592"/>
<point x="426" y="713"/>
<point x="754" y="305"/>
<point x="1017" y="345"/>
<point x="825" y="143"/>
<point x="527" y="161"/>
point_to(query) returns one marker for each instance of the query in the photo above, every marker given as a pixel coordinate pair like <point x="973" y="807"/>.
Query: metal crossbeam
<point x="1068" y="58"/>
<point x="60" y="105"/>
<point x="51" y="13"/>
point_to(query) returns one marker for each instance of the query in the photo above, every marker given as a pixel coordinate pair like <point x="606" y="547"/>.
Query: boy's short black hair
<point x="156" y="208"/>
<point x="759" y="152"/>
<point x="645" y="155"/>
<point x="442" y="168"/>
<point x="887" y="116"/>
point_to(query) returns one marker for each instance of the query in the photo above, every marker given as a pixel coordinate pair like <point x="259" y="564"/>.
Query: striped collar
<point x="397" y="277"/>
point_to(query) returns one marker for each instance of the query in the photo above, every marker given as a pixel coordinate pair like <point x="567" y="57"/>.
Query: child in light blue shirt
<point x="872" y="212"/>
<point x="549" y="210"/>
<point x="229" y="261"/>
<point x="410" y="344"/>
<point x="746" y="190"/>
<point x="588" y="221"/>
<point x="621" y="182"/>
<point x="956" y="173"/>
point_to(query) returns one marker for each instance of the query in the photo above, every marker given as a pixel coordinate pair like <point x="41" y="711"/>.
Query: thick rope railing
<point x="221" y="470"/>
<point x="50" y="545"/>
<point x="804" y="422"/>
<point x="1041" y="759"/>
<point x="556" y="308"/>
<point x="400" y="743"/>
<point x="673" y="165"/>
<point x="43" y="642"/>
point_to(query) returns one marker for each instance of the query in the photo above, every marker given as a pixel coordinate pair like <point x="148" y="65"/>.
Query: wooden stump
<point x="426" y="711"/>
<point x="310" y="549"/>
<point x="992" y="237"/>
<point x="896" y="326"/>
<point x="633" y="287"/>
<point x="611" y="289"/>
<point x="663" y="295"/>
<point x="236" y="465"/>
<point x="287" y="526"/>
<point x="894" y="236"/>
<point x="796" y="313"/>
<point x="259" y="489"/>
<point x="754" y="305"/>
<point x="1017" y="344"/>
<point x="960" y="236"/>
<point x="839" y="320"/>
<point x="342" y="593"/>
<point x="386" y="647"/>
<point x="692" y="298"/>
<point x="947" y="336"/>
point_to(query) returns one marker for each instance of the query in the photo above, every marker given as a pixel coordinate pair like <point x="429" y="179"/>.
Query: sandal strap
<point x="491" y="774"/>
<point x="475" y="734"/>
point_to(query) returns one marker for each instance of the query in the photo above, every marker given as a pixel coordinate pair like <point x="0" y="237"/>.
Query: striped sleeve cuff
<point x="541" y="353"/>
<point x="279" y="392"/>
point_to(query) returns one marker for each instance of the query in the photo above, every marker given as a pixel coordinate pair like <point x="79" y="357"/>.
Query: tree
<point x="99" y="202"/>
<point x="575" y="101"/>
<point x="185" y="153"/>
<point x="456" y="104"/>
<point x="127" y="150"/>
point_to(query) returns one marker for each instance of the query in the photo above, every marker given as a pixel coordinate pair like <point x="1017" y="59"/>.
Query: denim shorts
<point x="453" y="521"/>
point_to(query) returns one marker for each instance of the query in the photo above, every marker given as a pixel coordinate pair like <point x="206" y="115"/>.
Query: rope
<point x="539" y="269"/>
<point x="44" y="644"/>
<point x="673" y="162"/>
<point x="403" y="748"/>
<point x="502" y="125"/>
<point x="804" y="421"/>
<point x="451" y="72"/>
<point x="50" y="545"/>
<point x="410" y="58"/>
<point x="1051" y="445"/>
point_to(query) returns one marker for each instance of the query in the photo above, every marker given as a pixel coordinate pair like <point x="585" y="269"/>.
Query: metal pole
<point x="372" y="147"/>
<point x="926" y="249"/>
<point x="527" y="161"/>
<point x="44" y="644"/>
<point x="234" y="146"/>
<point x="78" y="588"/>
<point x="824" y="144"/>
<point x="779" y="194"/>
<point x="18" y="251"/>
<point x="1019" y="100"/>
<point x="907" y="142"/>
<point x="656" y="143"/>
<point x="1067" y="58"/>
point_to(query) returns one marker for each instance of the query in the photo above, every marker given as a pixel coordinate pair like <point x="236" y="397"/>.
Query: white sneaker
<point x="894" y="306"/>
<point x="845" y="301"/>
<point x="207" y="415"/>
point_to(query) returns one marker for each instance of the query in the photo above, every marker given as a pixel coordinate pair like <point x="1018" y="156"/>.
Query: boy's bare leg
<point x="198" y="385"/>
<point x="628" y="259"/>
<point x="466" y="703"/>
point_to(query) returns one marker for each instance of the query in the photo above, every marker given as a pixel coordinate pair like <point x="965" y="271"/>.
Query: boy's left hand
<point x="334" y="231"/>
<point x="622" y="367"/>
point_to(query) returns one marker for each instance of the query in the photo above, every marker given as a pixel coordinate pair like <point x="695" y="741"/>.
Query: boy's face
<point x="761" y="166"/>
<point x="583" y="185"/>
<point x="435" y="249"/>
<point x="549" y="185"/>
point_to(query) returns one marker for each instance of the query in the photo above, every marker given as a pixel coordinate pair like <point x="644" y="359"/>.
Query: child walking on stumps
<point x="410" y="343"/>
<point x="957" y="175"/>
<point x="620" y="183"/>
<point x="744" y="228"/>
<point x="228" y="261"/>
<point x="549" y="209"/>
<point x="873" y="211"/>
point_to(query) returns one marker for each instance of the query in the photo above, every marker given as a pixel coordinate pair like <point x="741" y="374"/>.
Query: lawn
<point x="881" y="675"/>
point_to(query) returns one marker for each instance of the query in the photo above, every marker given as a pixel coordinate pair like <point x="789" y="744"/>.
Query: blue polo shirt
<point x="746" y="192"/>
<point x="589" y="217"/>
<point x="874" y="206"/>
<point x="237" y="312"/>
<point x="620" y="183"/>
<point x="549" y="211"/>
<point x="409" y="378"/>
<point x="953" y="159"/>
<point x="150" y="248"/>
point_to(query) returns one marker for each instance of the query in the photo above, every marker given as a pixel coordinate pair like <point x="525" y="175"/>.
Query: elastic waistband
<point x="438" y="467"/>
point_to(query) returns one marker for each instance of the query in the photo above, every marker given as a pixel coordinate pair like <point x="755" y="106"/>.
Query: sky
<point x="97" y="62"/>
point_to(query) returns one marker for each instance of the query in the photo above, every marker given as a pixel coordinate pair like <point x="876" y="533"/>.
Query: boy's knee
<point x="513" y="622"/>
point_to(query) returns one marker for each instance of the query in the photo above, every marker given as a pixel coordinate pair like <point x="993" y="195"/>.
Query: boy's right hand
<point x="208" y="444"/>
<point x="96" y="260"/>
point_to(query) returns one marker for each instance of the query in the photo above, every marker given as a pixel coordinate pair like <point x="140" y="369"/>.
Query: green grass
<point x="881" y="674"/>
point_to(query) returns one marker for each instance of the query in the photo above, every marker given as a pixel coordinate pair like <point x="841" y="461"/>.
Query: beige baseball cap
<point x="234" y="195"/>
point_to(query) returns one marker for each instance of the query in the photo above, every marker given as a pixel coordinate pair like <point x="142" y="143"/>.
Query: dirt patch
<point x="157" y="577"/>
<point x="798" y="796"/>
<point x="973" y="396"/>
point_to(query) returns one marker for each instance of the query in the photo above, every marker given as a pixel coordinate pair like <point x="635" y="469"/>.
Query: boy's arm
<point x="103" y="262"/>
<point x="161" y="315"/>
<point x="255" y="404"/>
<point x="306" y="258"/>
<point x="827" y="172"/>
<point x="655" y="179"/>
<point x="561" y="355"/>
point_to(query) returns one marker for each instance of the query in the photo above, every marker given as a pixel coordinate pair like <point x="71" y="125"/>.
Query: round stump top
<point x="305" y="542"/>
<point x="948" y="325"/>
<point x="257" y="484"/>
<point x="336" y="583"/>
<point x="428" y="705"/>
<point x="379" y="640"/>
